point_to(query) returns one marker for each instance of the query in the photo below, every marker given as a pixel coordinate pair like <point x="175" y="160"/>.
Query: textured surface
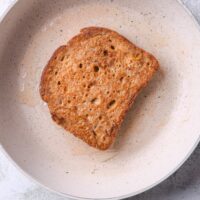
<point x="110" y="71"/>
<point x="185" y="184"/>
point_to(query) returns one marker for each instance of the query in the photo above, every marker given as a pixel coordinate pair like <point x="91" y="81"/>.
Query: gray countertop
<point x="182" y="185"/>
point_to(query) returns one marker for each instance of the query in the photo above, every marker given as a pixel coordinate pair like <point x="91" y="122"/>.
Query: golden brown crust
<point x="45" y="72"/>
<point x="93" y="63"/>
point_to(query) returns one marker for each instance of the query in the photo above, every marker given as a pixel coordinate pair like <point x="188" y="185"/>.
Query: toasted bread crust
<point x="48" y="67"/>
<point x="80" y="115"/>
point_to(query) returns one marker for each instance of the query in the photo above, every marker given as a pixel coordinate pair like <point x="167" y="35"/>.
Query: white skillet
<point x="159" y="133"/>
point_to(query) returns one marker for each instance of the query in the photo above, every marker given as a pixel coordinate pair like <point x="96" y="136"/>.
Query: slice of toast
<point x="90" y="83"/>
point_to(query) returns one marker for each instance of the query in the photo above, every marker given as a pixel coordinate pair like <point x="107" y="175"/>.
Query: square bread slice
<point x="91" y="82"/>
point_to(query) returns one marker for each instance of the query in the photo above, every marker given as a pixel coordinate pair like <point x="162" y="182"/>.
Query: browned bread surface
<point x="90" y="83"/>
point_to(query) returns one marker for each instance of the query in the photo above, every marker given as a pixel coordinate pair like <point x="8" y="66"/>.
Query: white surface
<point x="15" y="186"/>
<point x="29" y="188"/>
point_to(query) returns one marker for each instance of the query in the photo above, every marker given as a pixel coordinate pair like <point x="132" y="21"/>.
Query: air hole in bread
<point x="59" y="82"/>
<point x="105" y="52"/>
<point x="80" y="65"/>
<point x="100" y="117"/>
<point x="111" y="104"/>
<point x="112" y="47"/>
<point x="56" y="73"/>
<point x="148" y="63"/>
<point x="83" y="76"/>
<point x="95" y="101"/>
<point x="103" y="138"/>
<point x="96" y="68"/>
<point x="110" y="40"/>
<point x="94" y="133"/>
<point x="91" y="84"/>
<point x="68" y="101"/>
<point x="121" y="79"/>
<point x="62" y="58"/>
